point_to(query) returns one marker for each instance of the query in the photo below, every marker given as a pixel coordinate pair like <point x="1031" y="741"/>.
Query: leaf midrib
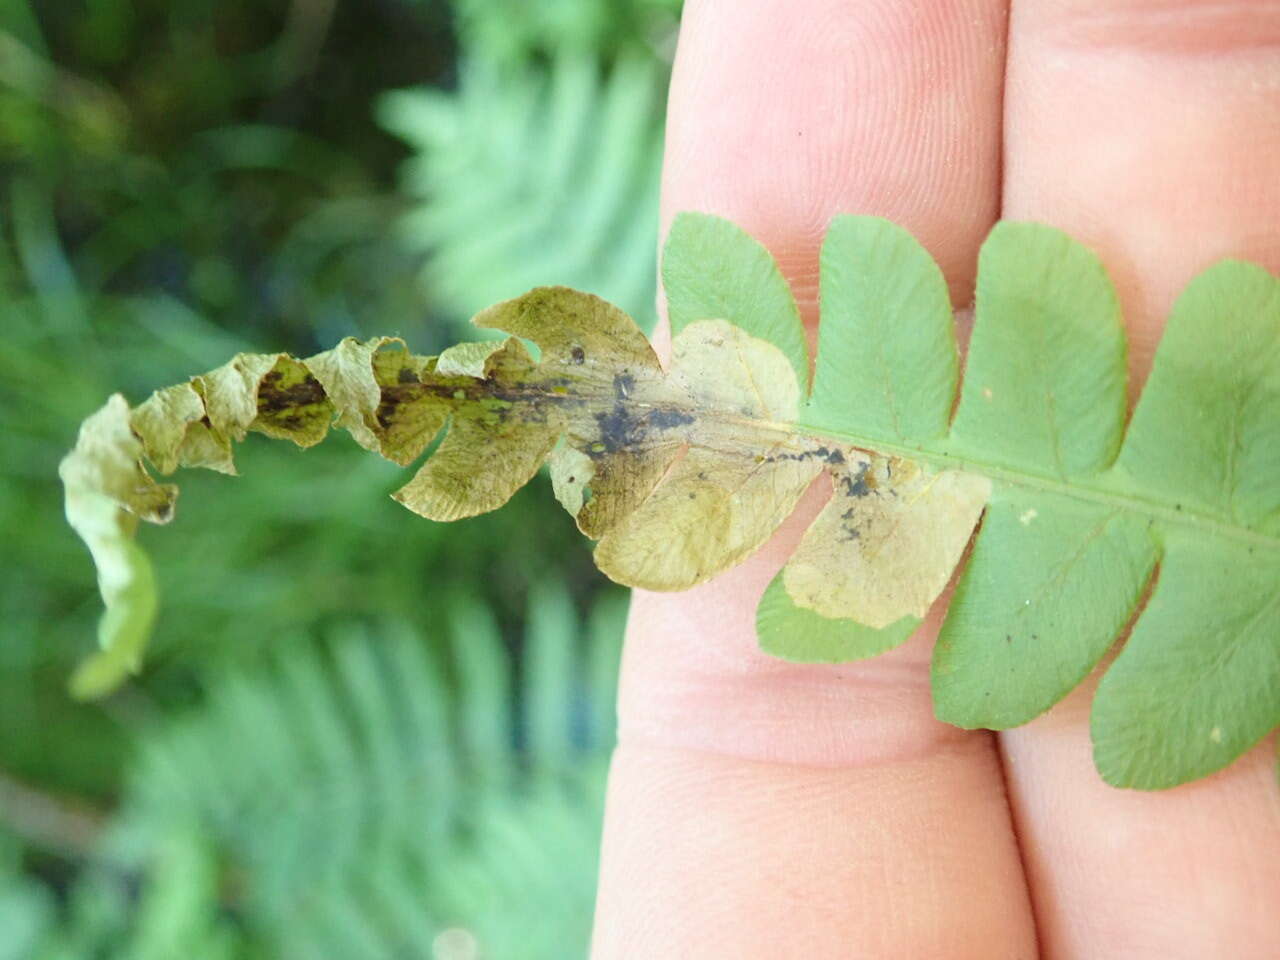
<point x="1093" y="490"/>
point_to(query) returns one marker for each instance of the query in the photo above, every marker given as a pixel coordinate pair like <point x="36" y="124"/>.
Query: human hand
<point x="765" y="809"/>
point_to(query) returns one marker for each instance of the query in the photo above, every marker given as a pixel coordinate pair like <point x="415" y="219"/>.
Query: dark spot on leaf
<point x="407" y="376"/>
<point x="666" y="419"/>
<point x="616" y="431"/>
<point x="578" y="355"/>
<point x="622" y="427"/>
<point x="860" y="486"/>
<point x="272" y="398"/>
<point x="820" y="453"/>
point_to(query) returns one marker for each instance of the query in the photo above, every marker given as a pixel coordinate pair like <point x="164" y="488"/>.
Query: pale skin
<point x="764" y="809"/>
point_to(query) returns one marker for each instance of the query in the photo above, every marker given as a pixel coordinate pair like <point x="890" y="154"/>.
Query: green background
<point x="359" y="734"/>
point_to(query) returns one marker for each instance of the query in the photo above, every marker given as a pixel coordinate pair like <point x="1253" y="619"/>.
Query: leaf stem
<point x="1099" y="489"/>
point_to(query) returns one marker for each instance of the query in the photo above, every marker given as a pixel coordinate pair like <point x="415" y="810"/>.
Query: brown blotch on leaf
<point x="272" y="398"/>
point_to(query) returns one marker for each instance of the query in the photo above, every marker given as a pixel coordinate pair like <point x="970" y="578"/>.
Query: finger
<point x="756" y="808"/>
<point x="1150" y="130"/>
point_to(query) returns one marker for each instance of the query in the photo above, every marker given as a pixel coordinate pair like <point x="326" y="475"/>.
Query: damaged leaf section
<point x="886" y="543"/>
<point x="498" y="435"/>
<point x="194" y="424"/>
<point x="678" y="474"/>
<point x="107" y="490"/>
<point x="603" y="395"/>
<point x="742" y="472"/>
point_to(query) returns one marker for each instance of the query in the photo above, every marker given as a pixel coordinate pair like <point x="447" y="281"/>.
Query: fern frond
<point x="515" y="31"/>
<point x="369" y="794"/>
<point x="530" y="177"/>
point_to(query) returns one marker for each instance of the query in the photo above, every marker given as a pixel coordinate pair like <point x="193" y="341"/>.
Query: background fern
<point x="514" y="32"/>
<point x="362" y="796"/>
<point x="580" y="210"/>
<point x="213" y="177"/>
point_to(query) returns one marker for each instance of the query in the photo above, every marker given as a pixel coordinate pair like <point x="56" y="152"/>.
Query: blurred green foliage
<point x="581" y="205"/>
<point x="361" y="734"/>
